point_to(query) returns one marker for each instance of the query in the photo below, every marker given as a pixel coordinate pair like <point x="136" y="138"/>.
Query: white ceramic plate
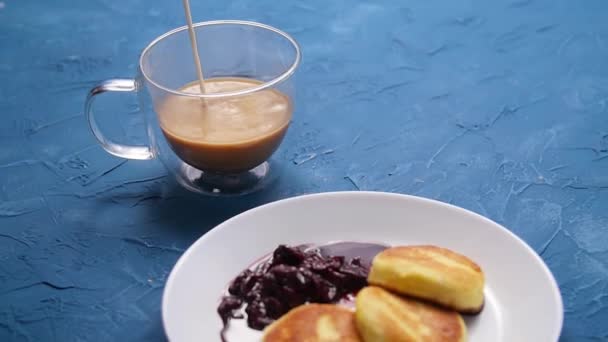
<point x="523" y="302"/>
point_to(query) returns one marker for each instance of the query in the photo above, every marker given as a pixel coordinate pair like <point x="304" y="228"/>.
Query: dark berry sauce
<point x="292" y="276"/>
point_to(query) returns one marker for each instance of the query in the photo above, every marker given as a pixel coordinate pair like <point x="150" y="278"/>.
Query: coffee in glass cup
<point x="215" y="142"/>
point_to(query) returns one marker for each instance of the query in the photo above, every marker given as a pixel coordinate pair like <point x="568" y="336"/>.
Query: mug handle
<point x="119" y="150"/>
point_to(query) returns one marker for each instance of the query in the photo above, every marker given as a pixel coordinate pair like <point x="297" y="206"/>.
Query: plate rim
<point x="555" y="290"/>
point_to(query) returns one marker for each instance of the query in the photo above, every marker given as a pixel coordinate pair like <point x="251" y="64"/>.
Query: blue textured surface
<point x="499" y="107"/>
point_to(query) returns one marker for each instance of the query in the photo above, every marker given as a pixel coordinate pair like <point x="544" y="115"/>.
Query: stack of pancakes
<point x="416" y="294"/>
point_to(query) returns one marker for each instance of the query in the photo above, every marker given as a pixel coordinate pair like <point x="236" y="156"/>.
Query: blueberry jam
<point x="292" y="276"/>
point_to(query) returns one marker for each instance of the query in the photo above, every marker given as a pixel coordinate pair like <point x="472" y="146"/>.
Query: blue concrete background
<point x="496" y="106"/>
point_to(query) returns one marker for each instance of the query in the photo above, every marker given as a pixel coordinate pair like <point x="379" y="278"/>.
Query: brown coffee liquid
<point x="225" y="135"/>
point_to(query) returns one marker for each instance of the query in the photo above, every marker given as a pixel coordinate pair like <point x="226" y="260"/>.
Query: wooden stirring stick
<point x="193" y="42"/>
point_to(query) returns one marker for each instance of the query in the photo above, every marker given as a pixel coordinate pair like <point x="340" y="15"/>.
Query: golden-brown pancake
<point x="314" y="323"/>
<point x="432" y="273"/>
<point x="385" y="317"/>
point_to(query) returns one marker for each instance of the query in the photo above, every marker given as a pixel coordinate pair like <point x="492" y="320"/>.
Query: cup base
<point x="214" y="184"/>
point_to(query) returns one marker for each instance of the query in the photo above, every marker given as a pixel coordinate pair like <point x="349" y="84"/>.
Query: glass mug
<point x="197" y="137"/>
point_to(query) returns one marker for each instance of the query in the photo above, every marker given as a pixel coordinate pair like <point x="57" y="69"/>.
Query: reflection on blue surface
<point x="497" y="106"/>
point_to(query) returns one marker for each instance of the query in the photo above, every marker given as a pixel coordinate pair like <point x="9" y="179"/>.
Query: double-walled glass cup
<point x="182" y="128"/>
